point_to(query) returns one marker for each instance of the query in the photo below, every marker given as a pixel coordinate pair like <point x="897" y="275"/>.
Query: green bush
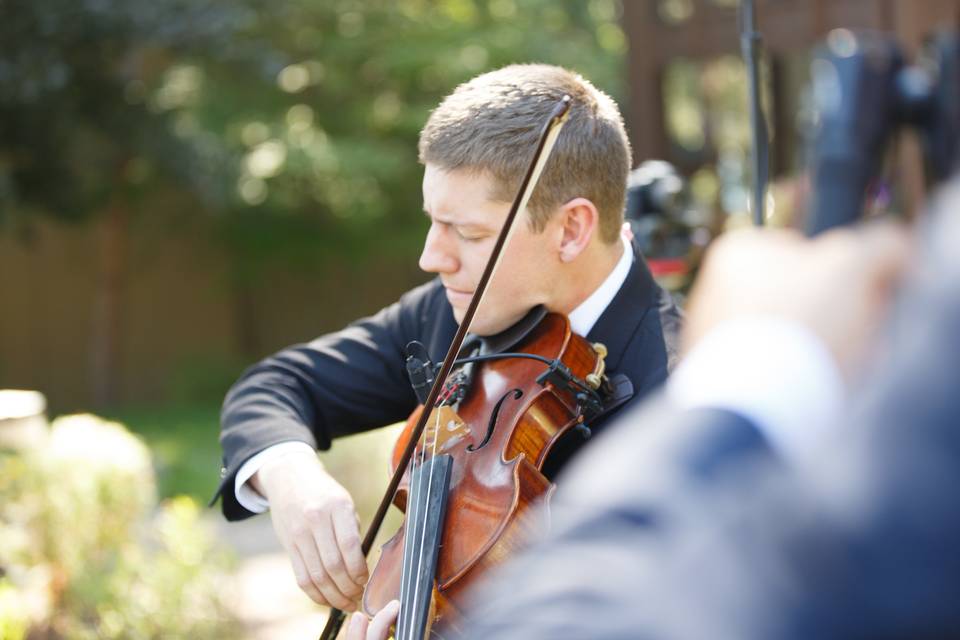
<point x="87" y="553"/>
<point x="183" y="441"/>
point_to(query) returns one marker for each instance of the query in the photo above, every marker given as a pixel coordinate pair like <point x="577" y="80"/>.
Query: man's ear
<point x="580" y="223"/>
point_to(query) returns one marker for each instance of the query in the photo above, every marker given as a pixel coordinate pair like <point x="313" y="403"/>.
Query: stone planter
<point x="23" y="420"/>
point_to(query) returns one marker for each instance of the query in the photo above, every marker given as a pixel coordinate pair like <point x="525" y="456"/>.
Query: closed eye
<point x="470" y="237"/>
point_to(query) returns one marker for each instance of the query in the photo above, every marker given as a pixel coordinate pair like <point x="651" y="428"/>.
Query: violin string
<point x="413" y="516"/>
<point x="425" y="503"/>
<point x="413" y="494"/>
<point x="411" y="550"/>
<point x="407" y="556"/>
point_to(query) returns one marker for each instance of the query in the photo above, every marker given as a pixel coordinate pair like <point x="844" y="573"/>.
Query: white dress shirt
<point x="773" y="372"/>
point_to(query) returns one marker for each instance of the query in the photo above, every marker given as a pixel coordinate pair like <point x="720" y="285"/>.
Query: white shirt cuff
<point x="776" y="373"/>
<point x="248" y="497"/>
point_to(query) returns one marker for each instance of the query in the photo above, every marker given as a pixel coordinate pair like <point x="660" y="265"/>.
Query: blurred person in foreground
<point x="807" y="492"/>
<point x="804" y="489"/>
<point x="567" y="254"/>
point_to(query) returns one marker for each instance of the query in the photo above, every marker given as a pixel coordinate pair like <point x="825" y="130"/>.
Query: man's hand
<point x="316" y="522"/>
<point x="377" y="629"/>
<point x="837" y="285"/>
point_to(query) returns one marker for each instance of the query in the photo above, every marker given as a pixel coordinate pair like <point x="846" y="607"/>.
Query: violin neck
<point x="426" y="509"/>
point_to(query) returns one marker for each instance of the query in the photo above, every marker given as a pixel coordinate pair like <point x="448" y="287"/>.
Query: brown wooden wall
<point x="180" y="319"/>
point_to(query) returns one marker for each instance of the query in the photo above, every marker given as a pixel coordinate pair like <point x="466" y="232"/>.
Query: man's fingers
<point x="321" y="579"/>
<point x="379" y="627"/>
<point x="348" y="541"/>
<point x="330" y="554"/>
<point x="357" y="629"/>
<point x="891" y="246"/>
<point x="302" y="575"/>
<point x="303" y="499"/>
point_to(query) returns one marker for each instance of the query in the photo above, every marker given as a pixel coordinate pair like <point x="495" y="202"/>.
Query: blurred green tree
<point x="326" y="125"/>
<point x="293" y="123"/>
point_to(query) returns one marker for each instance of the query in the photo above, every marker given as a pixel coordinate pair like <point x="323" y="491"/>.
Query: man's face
<point x="464" y="224"/>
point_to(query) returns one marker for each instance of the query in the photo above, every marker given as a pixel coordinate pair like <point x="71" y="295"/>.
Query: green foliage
<point x="327" y="130"/>
<point x="85" y="551"/>
<point x="183" y="441"/>
<point x="295" y="121"/>
<point x="78" y="126"/>
<point x="13" y="620"/>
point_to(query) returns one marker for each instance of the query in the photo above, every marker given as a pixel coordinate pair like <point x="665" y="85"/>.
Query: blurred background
<point x="188" y="186"/>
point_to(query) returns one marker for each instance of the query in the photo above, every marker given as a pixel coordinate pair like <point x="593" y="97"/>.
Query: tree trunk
<point x="245" y="317"/>
<point x="106" y="336"/>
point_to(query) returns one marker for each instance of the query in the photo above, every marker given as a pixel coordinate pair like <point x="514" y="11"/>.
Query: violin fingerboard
<point x="426" y="509"/>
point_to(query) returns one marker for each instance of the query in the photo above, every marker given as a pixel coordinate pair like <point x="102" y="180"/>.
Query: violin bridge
<point x="444" y="429"/>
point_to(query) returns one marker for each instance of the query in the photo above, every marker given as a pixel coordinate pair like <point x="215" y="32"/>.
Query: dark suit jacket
<point x="355" y="379"/>
<point x="694" y="530"/>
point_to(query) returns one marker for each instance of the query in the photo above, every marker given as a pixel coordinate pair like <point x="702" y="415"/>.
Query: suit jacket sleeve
<point x="341" y="383"/>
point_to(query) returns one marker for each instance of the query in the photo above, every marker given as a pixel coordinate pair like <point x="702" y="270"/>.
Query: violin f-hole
<point x="517" y="394"/>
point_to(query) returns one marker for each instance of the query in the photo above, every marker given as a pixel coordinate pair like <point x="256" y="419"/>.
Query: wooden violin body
<point x="499" y="437"/>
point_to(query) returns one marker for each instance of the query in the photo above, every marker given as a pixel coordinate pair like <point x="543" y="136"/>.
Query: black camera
<point x="659" y="215"/>
<point x="864" y="91"/>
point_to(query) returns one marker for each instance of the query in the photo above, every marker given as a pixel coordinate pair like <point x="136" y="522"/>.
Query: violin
<point x="478" y="470"/>
<point x="468" y="490"/>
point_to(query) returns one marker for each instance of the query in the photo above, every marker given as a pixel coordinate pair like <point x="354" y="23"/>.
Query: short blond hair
<point x="491" y="125"/>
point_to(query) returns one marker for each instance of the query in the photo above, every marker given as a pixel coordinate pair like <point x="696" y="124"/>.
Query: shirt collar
<point x="586" y="315"/>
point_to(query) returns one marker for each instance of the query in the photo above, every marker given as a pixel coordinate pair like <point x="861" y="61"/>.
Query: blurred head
<point x="476" y="147"/>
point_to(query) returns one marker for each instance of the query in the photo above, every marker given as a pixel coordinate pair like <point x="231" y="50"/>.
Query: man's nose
<point x="438" y="254"/>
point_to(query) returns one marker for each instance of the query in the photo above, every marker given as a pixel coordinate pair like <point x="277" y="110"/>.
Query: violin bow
<point x="548" y="139"/>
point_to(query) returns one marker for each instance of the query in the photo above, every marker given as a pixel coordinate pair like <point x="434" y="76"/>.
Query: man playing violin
<point x="567" y="253"/>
